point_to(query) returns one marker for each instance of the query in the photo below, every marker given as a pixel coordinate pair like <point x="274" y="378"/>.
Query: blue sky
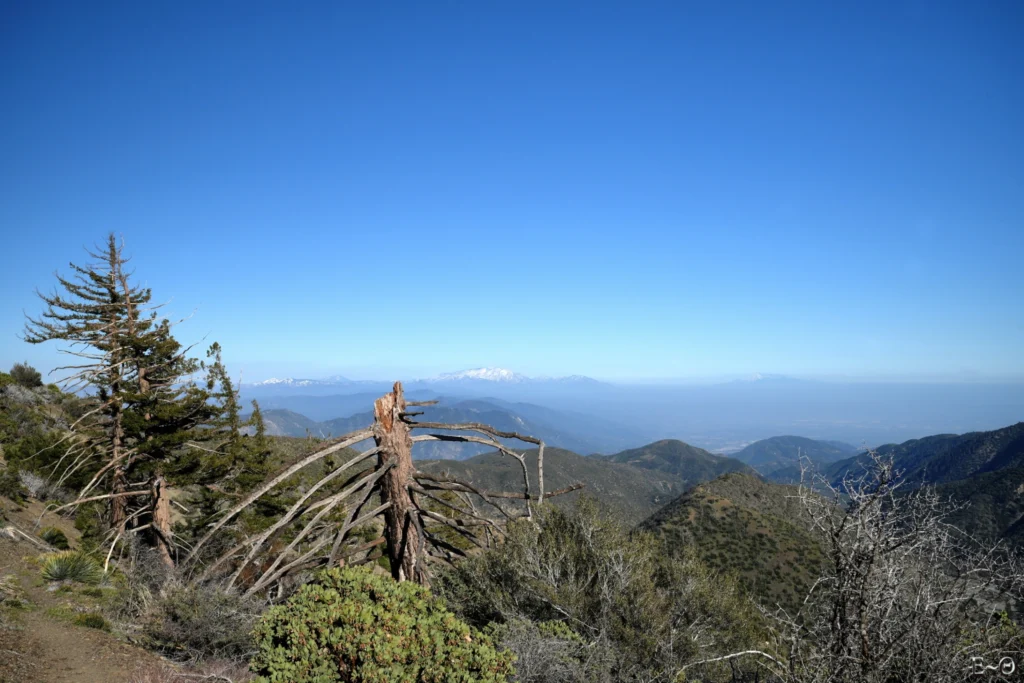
<point x="624" y="190"/>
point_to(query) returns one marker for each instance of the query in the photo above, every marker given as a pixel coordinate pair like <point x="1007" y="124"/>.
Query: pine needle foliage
<point x="156" y="416"/>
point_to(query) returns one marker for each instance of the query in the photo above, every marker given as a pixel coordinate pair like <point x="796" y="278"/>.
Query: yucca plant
<point x="71" y="565"/>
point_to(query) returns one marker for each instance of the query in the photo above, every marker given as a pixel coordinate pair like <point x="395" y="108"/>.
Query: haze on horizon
<point x="659" y="193"/>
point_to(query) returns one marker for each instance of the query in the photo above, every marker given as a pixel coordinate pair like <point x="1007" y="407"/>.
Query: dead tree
<point x="393" y="437"/>
<point x="905" y="595"/>
<point x="411" y="531"/>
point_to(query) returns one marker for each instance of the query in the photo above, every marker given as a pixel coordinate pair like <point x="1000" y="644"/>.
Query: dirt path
<point x="49" y="651"/>
<point x="39" y="646"/>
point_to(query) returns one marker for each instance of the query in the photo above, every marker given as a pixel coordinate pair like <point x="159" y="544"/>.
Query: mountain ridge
<point x="680" y="459"/>
<point x="754" y="529"/>
<point x="631" y="491"/>
<point x="945" y="458"/>
<point x="778" y="458"/>
<point x="482" y="374"/>
<point x="984" y="471"/>
<point x="542" y="423"/>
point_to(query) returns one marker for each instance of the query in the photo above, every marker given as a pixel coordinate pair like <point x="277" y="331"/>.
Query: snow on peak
<point x="503" y="376"/>
<point x="292" y="382"/>
<point x="765" y="377"/>
<point x="485" y="374"/>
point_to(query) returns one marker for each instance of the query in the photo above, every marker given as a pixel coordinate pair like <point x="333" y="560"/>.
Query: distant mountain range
<point x="723" y="417"/>
<point x="336" y="380"/>
<point x="635" y="482"/>
<point x="504" y="376"/>
<point x="475" y="375"/>
<point x="756" y="528"/>
<point x="947" y="457"/>
<point x="778" y="458"/>
<point x="985" y="470"/>
<point x="578" y="433"/>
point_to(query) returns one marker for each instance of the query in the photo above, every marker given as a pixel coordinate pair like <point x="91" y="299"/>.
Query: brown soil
<point x="38" y="646"/>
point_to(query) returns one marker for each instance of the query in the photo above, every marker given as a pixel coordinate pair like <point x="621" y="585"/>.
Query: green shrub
<point x="89" y="521"/>
<point x="72" y="565"/>
<point x="630" y="601"/>
<point x="10" y="485"/>
<point x="350" y="625"/>
<point x="41" y="451"/>
<point x="26" y="375"/>
<point x="5" y="379"/>
<point x="54" y="537"/>
<point x="91" y="620"/>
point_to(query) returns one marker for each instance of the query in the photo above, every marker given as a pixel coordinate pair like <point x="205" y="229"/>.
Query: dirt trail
<point x="49" y="651"/>
<point x="38" y="647"/>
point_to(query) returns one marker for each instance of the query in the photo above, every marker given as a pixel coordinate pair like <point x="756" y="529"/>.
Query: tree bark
<point x="391" y="434"/>
<point x="118" y="505"/>
<point x="162" y="520"/>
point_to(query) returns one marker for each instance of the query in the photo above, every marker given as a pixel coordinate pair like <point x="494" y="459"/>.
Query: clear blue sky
<point x="618" y="189"/>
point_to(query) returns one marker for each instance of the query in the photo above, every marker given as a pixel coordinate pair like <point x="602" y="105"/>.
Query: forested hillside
<point x="947" y="457"/>
<point x="691" y="464"/>
<point x="630" y="491"/>
<point x="742" y="525"/>
<point x="779" y="458"/>
<point x="981" y="471"/>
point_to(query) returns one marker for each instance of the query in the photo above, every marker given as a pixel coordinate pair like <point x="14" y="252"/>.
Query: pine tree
<point x="232" y="453"/>
<point x="147" y="407"/>
<point x="95" y="315"/>
<point x="235" y="460"/>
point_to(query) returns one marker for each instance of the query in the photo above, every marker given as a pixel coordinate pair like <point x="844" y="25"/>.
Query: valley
<point x="720" y="416"/>
<point x="636" y="477"/>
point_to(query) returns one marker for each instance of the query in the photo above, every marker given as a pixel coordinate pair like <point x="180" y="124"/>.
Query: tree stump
<point x="401" y="527"/>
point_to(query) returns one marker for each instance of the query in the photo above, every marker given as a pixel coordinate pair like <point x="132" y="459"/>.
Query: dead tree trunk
<point x="411" y="528"/>
<point x="401" y="529"/>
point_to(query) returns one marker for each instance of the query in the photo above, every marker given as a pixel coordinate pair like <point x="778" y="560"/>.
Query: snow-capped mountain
<point x="495" y="382"/>
<point x="293" y="382"/>
<point x="483" y="374"/>
<point x="767" y="377"/>
<point x="504" y="376"/>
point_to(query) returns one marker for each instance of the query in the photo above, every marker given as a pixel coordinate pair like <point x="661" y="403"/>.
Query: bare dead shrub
<point x="210" y="671"/>
<point x="906" y="595"/>
<point x="196" y="623"/>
